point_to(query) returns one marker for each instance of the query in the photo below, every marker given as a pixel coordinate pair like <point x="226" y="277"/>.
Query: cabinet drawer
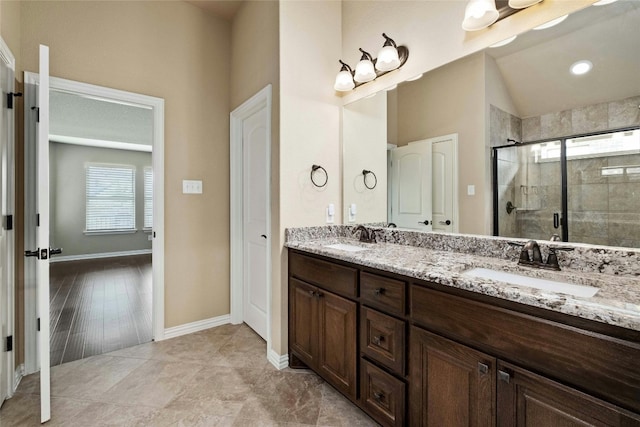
<point x="330" y="276"/>
<point x="603" y="366"/>
<point x="383" y="293"/>
<point x="382" y="338"/>
<point x="383" y="395"/>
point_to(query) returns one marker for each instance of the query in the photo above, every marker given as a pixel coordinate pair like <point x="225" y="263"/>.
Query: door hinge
<point x="38" y="324"/>
<point x="10" y="96"/>
<point x="10" y="343"/>
<point x="37" y="220"/>
<point x="8" y="222"/>
<point x="37" y="109"/>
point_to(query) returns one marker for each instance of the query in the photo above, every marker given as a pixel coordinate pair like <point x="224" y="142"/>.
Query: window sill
<point x="108" y="232"/>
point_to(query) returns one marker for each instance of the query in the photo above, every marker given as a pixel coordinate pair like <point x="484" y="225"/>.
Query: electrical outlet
<point x="191" y="186"/>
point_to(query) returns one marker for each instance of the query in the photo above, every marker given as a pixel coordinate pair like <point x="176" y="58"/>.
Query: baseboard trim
<point x="200" y="325"/>
<point x="17" y="377"/>
<point x="64" y="258"/>
<point x="277" y="360"/>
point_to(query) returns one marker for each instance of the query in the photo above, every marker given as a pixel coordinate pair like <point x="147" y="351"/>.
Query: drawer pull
<point x="377" y="340"/>
<point x="378" y="396"/>
<point x="312" y="293"/>
<point x="380" y="291"/>
<point x="483" y="368"/>
<point x="504" y="376"/>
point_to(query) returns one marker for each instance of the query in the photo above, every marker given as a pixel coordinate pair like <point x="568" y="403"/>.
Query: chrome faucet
<point x="366" y="235"/>
<point x="535" y="258"/>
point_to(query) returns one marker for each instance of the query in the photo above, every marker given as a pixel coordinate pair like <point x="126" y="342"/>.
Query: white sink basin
<point x="533" y="282"/>
<point x="346" y="247"/>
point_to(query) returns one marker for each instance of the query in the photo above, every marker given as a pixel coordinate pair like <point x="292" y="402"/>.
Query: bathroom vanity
<point x="410" y="338"/>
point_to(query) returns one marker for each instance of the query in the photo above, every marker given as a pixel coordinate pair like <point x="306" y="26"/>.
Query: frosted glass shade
<point x="344" y="81"/>
<point x="479" y="14"/>
<point x="364" y="71"/>
<point x="521" y="4"/>
<point x="387" y="59"/>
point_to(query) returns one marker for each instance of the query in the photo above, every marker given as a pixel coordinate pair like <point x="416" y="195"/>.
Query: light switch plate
<point x="471" y="190"/>
<point x="191" y="186"/>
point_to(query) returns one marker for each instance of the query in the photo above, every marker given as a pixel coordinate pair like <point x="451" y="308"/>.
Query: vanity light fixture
<point x="603" y="2"/>
<point x="521" y="4"/>
<point x="581" y="67"/>
<point x="365" y="71"/>
<point x="419" y="76"/>
<point x="479" y="14"/>
<point x="390" y="57"/>
<point x="344" y="79"/>
<point x="551" y="23"/>
<point x="504" y="42"/>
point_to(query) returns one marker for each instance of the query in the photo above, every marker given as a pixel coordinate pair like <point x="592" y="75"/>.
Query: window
<point x="110" y="198"/>
<point x="148" y="198"/>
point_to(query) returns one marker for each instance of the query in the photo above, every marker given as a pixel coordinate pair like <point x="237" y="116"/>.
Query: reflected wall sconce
<point x="390" y="57"/>
<point x="480" y="14"/>
<point x="366" y="183"/>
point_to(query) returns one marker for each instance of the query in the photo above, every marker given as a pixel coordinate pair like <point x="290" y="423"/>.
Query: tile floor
<point x="217" y="377"/>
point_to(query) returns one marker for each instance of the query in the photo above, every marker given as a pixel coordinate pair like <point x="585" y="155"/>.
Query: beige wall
<point x="174" y="51"/>
<point x="10" y="18"/>
<point x="310" y="42"/>
<point x="450" y="100"/>
<point x="254" y="64"/>
<point x="364" y="134"/>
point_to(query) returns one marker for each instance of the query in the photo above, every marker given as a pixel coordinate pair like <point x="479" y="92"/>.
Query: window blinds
<point x="148" y="197"/>
<point x="110" y="197"/>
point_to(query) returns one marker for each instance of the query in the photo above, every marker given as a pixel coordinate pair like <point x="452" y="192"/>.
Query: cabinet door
<point x="527" y="399"/>
<point x="303" y="321"/>
<point x="451" y="385"/>
<point x="337" y="333"/>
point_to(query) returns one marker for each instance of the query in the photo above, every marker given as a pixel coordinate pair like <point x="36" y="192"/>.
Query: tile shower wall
<point x="602" y="210"/>
<point x="505" y="126"/>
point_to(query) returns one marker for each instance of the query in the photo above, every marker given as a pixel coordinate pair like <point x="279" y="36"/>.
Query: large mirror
<point x="428" y="142"/>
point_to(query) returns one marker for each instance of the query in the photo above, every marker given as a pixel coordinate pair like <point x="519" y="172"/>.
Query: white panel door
<point x="255" y="190"/>
<point x="42" y="233"/>
<point x="442" y="186"/>
<point x="411" y="186"/>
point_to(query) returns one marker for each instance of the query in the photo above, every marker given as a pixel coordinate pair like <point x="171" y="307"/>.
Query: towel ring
<point x="326" y="176"/>
<point x="364" y="174"/>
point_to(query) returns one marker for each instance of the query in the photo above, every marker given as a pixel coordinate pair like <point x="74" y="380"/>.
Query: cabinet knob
<point x="312" y="293"/>
<point x="483" y="368"/>
<point x="377" y="340"/>
<point x="380" y="291"/>
<point x="504" y="376"/>
<point x="379" y="396"/>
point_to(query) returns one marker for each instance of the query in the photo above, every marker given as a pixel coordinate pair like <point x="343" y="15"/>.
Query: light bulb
<point x="387" y="59"/>
<point x="344" y="81"/>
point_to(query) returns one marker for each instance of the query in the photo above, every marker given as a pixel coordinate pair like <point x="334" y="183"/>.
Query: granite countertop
<point x="617" y="301"/>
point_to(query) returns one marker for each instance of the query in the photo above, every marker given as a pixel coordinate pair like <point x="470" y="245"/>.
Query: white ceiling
<point x="535" y="67"/>
<point x="80" y="116"/>
<point x="225" y="9"/>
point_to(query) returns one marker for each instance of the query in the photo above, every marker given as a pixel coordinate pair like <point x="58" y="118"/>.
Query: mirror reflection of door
<point x="423" y="185"/>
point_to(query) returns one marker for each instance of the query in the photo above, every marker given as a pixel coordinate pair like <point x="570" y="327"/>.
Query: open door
<point x="411" y="186"/>
<point x="42" y="252"/>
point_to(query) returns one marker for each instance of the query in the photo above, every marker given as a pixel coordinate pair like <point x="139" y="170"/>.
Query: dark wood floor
<point x="98" y="306"/>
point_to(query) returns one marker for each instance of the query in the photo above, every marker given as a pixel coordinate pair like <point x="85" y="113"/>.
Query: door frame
<point x="9" y="311"/>
<point x="260" y="100"/>
<point x="157" y="107"/>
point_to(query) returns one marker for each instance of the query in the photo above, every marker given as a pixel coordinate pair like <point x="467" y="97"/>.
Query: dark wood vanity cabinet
<point x="415" y="353"/>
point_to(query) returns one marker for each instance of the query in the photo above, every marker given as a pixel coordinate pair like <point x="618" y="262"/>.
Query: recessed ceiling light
<point x="551" y="23"/>
<point x="504" y="42"/>
<point x="603" y="2"/>
<point x="415" y="77"/>
<point x="581" y="67"/>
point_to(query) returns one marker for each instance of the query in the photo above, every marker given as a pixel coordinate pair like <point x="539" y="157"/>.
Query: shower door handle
<point x="556" y="220"/>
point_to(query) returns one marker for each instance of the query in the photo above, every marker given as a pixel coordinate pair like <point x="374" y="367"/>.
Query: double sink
<point x="513" y="279"/>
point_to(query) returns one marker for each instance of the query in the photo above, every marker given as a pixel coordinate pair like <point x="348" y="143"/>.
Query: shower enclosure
<point x="584" y="188"/>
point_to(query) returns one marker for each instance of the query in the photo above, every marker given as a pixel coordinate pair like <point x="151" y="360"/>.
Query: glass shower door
<point x="529" y="185"/>
<point x="603" y="189"/>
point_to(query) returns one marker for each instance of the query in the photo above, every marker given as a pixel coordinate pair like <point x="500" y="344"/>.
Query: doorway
<point x="423" y="184"/>
<point x="117" y="198"/>
<point x="250" y="216"/>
